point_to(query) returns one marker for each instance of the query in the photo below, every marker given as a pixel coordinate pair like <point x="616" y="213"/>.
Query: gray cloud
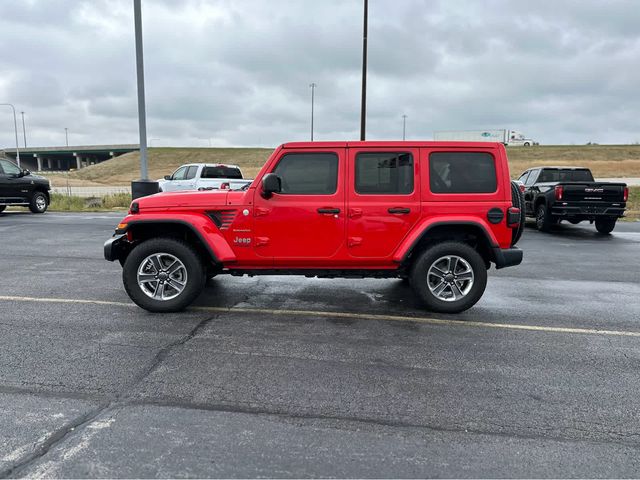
<point x="238" y="72"/>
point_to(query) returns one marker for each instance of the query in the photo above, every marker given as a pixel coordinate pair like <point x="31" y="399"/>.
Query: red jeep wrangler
<point x="437" y="213"/>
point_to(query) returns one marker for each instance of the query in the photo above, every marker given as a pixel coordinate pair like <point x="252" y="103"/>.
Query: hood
<point x="164" y="200"/>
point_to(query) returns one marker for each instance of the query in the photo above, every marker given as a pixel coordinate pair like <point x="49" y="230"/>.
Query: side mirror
<point x="167" y="177"/>
<point x="25" y="172"/>
<point x="271" y="184"/>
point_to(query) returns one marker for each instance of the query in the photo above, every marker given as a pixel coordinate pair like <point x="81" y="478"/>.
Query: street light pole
<point x="66" y="136"/>
<point x="404" y="126"/>
<point x="142" y="116"/>
<point x="313" y="87"/>
<point x="363" y="105"/>
<point x="24" y="131"/>
<point x="15" y="127"/>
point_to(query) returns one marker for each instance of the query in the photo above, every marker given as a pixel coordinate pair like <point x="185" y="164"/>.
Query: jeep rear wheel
<point x="163" y="275"/>
<point x="449" y="277"/>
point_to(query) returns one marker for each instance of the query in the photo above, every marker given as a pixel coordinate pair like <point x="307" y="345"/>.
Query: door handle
<point x="399" y="210"/>
<point x="331" y="211"/>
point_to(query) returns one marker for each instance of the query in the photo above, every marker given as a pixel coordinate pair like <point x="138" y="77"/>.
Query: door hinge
<point x="354" y="241"/>
<point x="262" y="241"/>
<point x="355" y="212"/>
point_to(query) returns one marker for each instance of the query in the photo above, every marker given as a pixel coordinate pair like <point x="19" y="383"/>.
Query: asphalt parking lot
<point x="293" y="377"/>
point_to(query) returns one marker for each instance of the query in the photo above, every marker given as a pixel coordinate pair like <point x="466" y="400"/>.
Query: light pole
<point x="15" y="127"/>
<point x="24" y="131"/>
<point x="363" y="105"/>
<point x="404" y="126"/>
<point x="66" y="136"/>
<point x="142" y="115"/>
<point x="144" y="186"/>
<point x="313" y="88"/>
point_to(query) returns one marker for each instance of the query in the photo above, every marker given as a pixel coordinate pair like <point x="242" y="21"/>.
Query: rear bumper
<point x="507" y="257"/>
<point x="116" y="248"/>
<point x="587" y="211"/>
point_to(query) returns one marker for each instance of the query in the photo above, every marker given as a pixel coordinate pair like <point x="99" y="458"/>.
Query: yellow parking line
<point x="355" y="316"/>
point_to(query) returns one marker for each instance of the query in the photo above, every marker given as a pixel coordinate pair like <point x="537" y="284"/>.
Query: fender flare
<point x="203" y="229"/>
<point x="422" y="229"/>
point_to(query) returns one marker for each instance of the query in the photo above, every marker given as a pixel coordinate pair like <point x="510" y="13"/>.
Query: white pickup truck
<point x="204" y="176"/>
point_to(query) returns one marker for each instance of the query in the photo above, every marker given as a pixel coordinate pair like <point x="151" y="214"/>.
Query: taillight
<point x="224" y="186"/>
<point x="625" y="194"/>
<point x="559" y="192"/>
<point x="513" y="217"/>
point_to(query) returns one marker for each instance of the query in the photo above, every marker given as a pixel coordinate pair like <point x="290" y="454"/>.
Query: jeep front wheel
<point x="163" y="275"/>
<point x="449" y="277"/>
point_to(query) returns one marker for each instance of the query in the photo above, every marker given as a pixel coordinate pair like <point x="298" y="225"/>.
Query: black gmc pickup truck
<point x="570" y="193"/>
<point x="20" y="187"/>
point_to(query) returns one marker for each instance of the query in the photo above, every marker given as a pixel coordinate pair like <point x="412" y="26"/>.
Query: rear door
<point x="383" y="199"/>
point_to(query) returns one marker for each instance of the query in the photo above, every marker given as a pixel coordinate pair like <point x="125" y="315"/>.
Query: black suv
<point x="19" y="187"/>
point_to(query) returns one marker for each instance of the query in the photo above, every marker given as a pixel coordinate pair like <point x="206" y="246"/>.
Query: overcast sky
<point x="237" y="72"/>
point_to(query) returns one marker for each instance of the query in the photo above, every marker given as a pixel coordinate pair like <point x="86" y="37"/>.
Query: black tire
<point x="426" y="285"/>
<point x="2" y="208"/>
<point x="605" y="225"/>
<point x="194" y="277"/>
<point x="527" y="144"/>
<point x="517" y="199"/>
<point x="543" y="218"/>
<point x="39" y="203"/>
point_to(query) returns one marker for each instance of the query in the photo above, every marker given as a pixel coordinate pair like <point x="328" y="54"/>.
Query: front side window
<point x="523" y="177"/>
<point x="191" y="172"/>
<point x="9" y="168"/>
<point x="179" y="174"/>
<point x="384" y="173"/>
<point x="308" y="173"/>
<point x="462" y="172"/>
<point x="532" y="177"/>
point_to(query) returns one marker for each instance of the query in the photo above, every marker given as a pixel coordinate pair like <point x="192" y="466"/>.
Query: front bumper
<point x="507" y="257"/>
<point x="116" y="248"/>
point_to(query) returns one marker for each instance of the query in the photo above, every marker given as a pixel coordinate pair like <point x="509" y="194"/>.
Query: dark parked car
<point x="553" y="194"/>
<point x="19" y="187"/>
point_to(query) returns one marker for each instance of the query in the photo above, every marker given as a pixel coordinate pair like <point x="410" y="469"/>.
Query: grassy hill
<point x="604" y="161"/>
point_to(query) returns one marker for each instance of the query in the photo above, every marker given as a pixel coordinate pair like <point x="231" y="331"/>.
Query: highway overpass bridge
<point x="66" y="158"/>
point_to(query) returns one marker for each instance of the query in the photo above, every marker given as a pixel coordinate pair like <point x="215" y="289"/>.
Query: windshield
<point x="565" y="175"/>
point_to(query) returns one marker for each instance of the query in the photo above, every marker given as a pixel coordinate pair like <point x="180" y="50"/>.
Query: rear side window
<point x="462" y="172"/>
<point x="221" y="171"/>
<point x="308" y="173"/>
<point x="384" y="173"/>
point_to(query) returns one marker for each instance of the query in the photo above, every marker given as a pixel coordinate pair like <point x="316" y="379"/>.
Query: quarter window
<point x="462" y="172"/>
<point x="384" y="173"/>
<point x="308" y="173"/>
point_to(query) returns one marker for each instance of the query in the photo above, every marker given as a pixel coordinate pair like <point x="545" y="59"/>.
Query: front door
<point x="383" y="200"/>
<point x="13" y="187"/>
<point x="304" y="224"/>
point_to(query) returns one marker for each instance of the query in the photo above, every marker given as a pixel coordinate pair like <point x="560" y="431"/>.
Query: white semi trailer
<point x="507" y="137"/>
